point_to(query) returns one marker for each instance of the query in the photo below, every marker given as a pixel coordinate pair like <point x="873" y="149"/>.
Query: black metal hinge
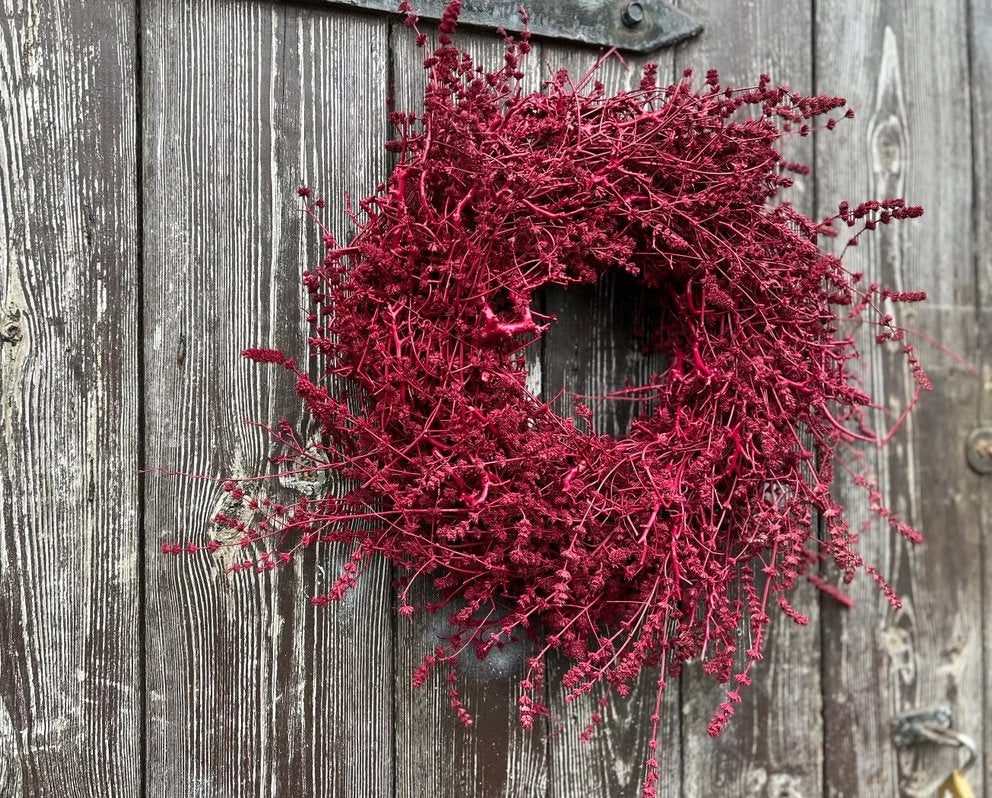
<point x="640" y="26"/>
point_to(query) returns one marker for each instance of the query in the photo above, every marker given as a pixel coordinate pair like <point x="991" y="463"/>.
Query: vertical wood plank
<point x="980" y="487"/>
<point x="592" y="350"/>
<point x="70" y="671"/>
<point x="904" y="68"/>
<point x="773" y="745"/>
<point x="252" y="690"/>
<point x="435" y="755"/>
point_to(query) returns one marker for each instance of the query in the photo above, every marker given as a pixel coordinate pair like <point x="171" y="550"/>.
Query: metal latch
<point x="934" y="726"/>
<point x="641" y="26"/>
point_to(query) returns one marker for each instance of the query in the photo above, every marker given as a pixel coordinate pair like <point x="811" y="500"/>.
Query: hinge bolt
<point x="632" y="15"/>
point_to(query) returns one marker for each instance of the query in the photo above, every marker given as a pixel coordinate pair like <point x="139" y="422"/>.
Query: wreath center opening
<point x="600" y="351"/>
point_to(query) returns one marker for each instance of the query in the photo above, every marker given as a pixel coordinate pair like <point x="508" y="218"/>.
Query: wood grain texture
<point x="773" y="746"/>
<point x="980" y="487"/>
<point x="251" y="690"/>
<point x="904" y="68"/>
<point x="591" y="350"/>
<point x="70" y="671"/>
<point x="435" y="755"/>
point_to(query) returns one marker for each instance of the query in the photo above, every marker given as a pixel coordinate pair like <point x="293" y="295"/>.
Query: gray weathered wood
<point x="70" y="669"/>
<point x="251" y="690"/>
<point x="773" y="745"/>
<point x="980" y="487"/>
<point x="435" y="755"/>
<point x="904" y="67"/>
<point x="591" y="350"/>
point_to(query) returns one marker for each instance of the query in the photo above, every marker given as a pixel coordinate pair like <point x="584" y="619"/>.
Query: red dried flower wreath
<point x="623" y="553"/>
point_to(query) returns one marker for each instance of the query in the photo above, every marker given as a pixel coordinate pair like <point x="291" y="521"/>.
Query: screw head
<point x="979" y="450"/>
<point x="632" y="15"/>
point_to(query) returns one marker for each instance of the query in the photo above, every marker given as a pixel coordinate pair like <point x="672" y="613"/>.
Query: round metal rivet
<point x="978" y="450"/>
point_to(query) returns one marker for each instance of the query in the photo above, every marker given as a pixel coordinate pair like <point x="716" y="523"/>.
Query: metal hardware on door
<point x="934" y="726"/>
<point x="956" y="786"/>
<point x="638" y="25"/>
<point x="978" y="450"/>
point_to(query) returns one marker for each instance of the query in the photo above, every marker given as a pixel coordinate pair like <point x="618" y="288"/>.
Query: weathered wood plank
<point x="592" y="350"/>
<point x="773" y="746"/>
<point x="981" y="486"/>
<point x="251" y="690"/>
<point x="904" y="68"/>
<point x="435" y="755"/>
<point x="980" y="29"/>
<point x="70" y="672"/>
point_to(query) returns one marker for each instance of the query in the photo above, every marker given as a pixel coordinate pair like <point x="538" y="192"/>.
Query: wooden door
<point x="149" y="152"/>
